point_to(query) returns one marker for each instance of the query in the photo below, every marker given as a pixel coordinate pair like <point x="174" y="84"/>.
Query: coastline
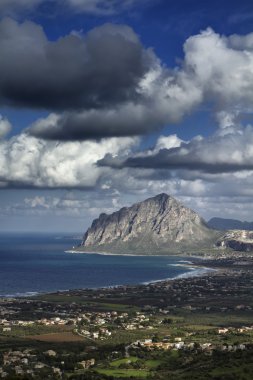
<point x="201" y="271"/>
<point x="197" y="270"/>
<point x="194" y="271"/>
<point x="101" y="253"/>
<point x="117" y="254"/>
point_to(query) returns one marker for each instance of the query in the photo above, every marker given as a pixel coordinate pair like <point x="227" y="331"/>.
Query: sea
<point x="41" y="263"/>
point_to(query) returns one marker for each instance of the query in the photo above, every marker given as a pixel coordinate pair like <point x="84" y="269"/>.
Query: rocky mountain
<point x="237" y="240"/>
<point x="229" y="224"/>
<point x="157" y="225"/>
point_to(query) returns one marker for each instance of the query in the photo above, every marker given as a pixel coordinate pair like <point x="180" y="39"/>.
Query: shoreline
<point x="117" y="254"/>
<point x="184" y="255"/>
<point x="194" y="271"/>
<point x="198" y="273"/>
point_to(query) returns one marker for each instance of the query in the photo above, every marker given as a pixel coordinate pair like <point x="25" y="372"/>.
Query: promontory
<point x="158" y="225"/>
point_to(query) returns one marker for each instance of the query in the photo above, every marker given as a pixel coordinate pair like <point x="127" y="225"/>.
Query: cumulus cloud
<point x="210" y="194"/>
<point x="69" y="204"/>
<point x="5" y="126"/>
<point x="160" y="100"/>
<point x="74" y="72"/>
<point x="221" y="153"/>
<point x="108" y="84"/>
<point x="127" y="120"/>
<point x="167" y="142"/>
<point x="95" y="124"/>
<point x="54" y="205"/>
<point x="216" y="69"/>
<point x="29" y="162"/>
<point x="222" y="67"/>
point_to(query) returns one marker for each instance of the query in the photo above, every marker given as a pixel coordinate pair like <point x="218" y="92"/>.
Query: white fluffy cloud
<point x="26" y="161"/>
<point x="136" y="93"/>
<point x="222" y="67"/>
<point x="213" y="175"/>
<point x="5" y="126"/>
<point x="167" y="142"/>
<point x="217" y="70"/>
<point x="205" y="173"/>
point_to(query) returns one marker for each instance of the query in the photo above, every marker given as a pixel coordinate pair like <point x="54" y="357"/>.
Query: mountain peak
<point x="161" y="196"/>
<point x="157" y="224"/>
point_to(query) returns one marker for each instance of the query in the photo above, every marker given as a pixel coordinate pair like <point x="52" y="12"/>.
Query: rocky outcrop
<point x="157" y="225"/>
<point x="238" y="240"/>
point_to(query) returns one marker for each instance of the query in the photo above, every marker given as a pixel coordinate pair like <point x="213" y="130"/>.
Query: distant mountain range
<point x="158" y="225"/>
<point x="229" y="224"/>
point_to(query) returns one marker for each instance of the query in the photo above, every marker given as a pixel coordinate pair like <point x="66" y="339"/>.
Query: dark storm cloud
<point x="130" y="92"/>
<point x="220" y="153"/>
<point x="127" y="120"/>
<point x="166" y="159"/>
<point x="74" y="72"/>
<point x="108" y="85"/>
<point x="171" y="161"/>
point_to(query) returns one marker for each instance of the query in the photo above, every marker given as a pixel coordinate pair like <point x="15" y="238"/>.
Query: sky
<point x="104" y="103"/>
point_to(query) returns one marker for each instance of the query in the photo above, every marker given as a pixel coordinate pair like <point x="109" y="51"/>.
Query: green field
<point x="117" y="363"/>
<point x="127" y="373"/>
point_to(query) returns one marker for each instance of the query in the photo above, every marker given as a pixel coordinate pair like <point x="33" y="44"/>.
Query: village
<point x="89" y="331"/>
<point x="27" y="361"/>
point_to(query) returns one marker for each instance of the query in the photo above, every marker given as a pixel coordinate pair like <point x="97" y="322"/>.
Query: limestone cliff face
<point x="154" y="225"/>
<point x="238" y="240"/>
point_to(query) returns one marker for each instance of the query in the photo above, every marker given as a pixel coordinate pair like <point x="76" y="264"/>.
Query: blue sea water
<point x="39" y="264"/>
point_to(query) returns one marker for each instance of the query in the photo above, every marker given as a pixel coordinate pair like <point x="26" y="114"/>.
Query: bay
<point x="39" y="263"/>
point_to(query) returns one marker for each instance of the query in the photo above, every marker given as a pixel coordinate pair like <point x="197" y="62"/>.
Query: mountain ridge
<point x="224" y="224"/>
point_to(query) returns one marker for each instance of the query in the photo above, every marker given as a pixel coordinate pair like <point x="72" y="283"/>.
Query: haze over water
<point x="39" y="263"/>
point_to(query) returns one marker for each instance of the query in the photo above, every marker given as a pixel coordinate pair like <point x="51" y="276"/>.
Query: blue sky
<point x="105" y="102"/>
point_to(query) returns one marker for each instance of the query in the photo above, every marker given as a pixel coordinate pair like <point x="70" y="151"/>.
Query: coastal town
<point x="128" y="331"/>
